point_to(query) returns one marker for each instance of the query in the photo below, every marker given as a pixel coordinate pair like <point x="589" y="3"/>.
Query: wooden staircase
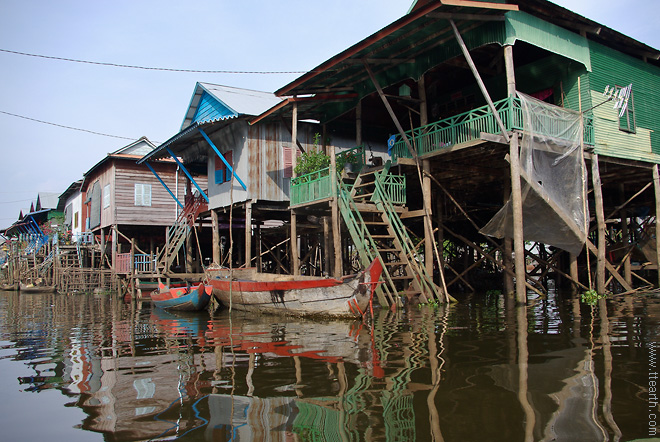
<point x="178" y="232"/>
<point x="370" y="207"/>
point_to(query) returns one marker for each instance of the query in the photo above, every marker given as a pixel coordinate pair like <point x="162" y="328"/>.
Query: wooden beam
<point x="215" y="237"/>
<point x="518" y="238"/>
<point x="600" y="220"/>
<point x="471" y="17"/>
<point x="248" y="233"/>
<point x="656" y="187"/>
<point x="295" y="259"/>
<point x="479" y="4"/>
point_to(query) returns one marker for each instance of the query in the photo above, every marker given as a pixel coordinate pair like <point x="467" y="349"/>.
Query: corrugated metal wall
<point x="258" y="154"/>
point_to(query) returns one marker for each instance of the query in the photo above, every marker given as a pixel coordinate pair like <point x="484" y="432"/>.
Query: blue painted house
<point x="230" y="162"/>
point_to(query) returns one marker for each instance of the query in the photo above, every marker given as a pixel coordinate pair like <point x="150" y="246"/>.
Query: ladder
<point x="369" y="210"/>
<point x="178" y="232"/>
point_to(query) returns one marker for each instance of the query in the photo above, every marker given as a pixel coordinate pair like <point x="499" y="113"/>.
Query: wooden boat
<point x="6" y="287"/>
<point x="182" y="298"/>
<point x="31" y="288"/>
<point x="349" y="296"/>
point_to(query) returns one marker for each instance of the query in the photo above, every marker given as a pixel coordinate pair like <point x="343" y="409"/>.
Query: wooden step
<point x="401" y="278"/>
<point x="395" y="263"/>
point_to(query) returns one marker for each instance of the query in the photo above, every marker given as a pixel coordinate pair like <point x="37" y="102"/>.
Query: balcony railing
<point x="143" y="263"/>
<point x="468" y="126"/>
<point x="311" y="187"/>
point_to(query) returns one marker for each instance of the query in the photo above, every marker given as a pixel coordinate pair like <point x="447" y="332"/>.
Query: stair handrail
<point x="380" y="197"/>
<point x="352" y="214"/>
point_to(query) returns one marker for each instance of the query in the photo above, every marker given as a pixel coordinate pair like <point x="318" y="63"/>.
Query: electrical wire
<point x="117" y="65"/>
<point x="68" y="127"/>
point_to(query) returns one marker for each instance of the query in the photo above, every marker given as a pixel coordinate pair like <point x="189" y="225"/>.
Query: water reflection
<point x="556" y="370"/>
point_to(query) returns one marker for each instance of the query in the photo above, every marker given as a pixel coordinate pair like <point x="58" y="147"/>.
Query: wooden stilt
<point x="328" y="254"/>
<point x="507" y="244"/>
<point x="295" y="259"/>
<point x="573" y="269"/>
<point x="656" y="187"/>
<point x="334" y="213"/>
<point x="248" y="233"/>
<point x="440" y="235"/>
<point x="215" y="237"/>
<point x="518" y="239"/>
<point x="600" y="220"/>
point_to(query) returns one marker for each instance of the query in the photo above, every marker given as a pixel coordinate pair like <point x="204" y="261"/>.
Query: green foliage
<point x="432" y="303"/>
<point x="314" y="159"/>
<point x="591" y="297"/>
<point x="311" y="161"/>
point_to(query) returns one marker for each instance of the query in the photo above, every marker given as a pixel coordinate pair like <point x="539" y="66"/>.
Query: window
<point x="106" y="196"/>
<point x="222" y="172"/>
<point x="288" y="153"/>
<point x="75" y="220"/>
<point x="143" y="194"/>
<point x="627" y="115"/>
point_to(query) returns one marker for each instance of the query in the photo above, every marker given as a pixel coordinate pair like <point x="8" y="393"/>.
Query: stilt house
<point x="247" y="169"/>
<point x="481" y="104"/>
<point x="128" y="209"/>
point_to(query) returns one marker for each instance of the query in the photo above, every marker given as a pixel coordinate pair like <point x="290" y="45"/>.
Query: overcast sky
<point x="248" y="35"/>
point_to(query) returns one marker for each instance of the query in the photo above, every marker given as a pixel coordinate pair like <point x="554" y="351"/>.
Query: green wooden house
<point x="441" y="86"/>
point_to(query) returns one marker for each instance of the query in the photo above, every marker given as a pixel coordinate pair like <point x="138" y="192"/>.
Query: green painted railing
<point x="311" y="187"/>
<point x="316" y="185"/>
<point x="394" y="188"/>
<point x="467" y="127"/>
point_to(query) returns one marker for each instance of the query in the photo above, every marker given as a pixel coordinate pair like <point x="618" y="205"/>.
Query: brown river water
<point x="92" y="367"/>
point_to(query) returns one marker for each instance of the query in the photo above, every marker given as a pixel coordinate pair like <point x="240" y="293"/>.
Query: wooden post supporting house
<point x="656" y="188"/>
<point x="295" y="258"/>
<point x="426" y="183"/>
<point x="215" y="235"/>
<point x="508" y="241"/>
<point x="600" y="220"/>
<point x="334" y="213"/>
<point x="248" y="233"/>
<point x="518" y="239"/>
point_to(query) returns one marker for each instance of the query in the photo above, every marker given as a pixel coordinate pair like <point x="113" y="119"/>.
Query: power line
<point x="17" y="201"/>
<point x="117" y="65"/>
<point x="67" y="127"/>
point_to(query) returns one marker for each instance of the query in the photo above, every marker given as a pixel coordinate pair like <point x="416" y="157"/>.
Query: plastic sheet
<point x="553" y="179"/>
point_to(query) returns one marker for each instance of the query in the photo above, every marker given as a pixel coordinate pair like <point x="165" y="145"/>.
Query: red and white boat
<point x="348" y="297"/>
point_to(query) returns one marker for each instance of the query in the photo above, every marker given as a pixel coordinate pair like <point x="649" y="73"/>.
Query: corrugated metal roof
<point x="238" y="102"/>
<point x="423" y="39"/>
<point x="47" y="200"/>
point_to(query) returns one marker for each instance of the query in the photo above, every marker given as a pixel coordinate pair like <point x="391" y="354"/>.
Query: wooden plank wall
<point x="162" y="211"/>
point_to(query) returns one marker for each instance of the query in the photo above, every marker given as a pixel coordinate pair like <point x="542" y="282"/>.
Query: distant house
<point x="71" y="204"/>
<point x="123" y="200"/>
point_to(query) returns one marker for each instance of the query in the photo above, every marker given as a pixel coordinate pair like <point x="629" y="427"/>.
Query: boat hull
<point x="182" y="299"/>
<point x="24" y="288"/>
<point x="302" y="296"/>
